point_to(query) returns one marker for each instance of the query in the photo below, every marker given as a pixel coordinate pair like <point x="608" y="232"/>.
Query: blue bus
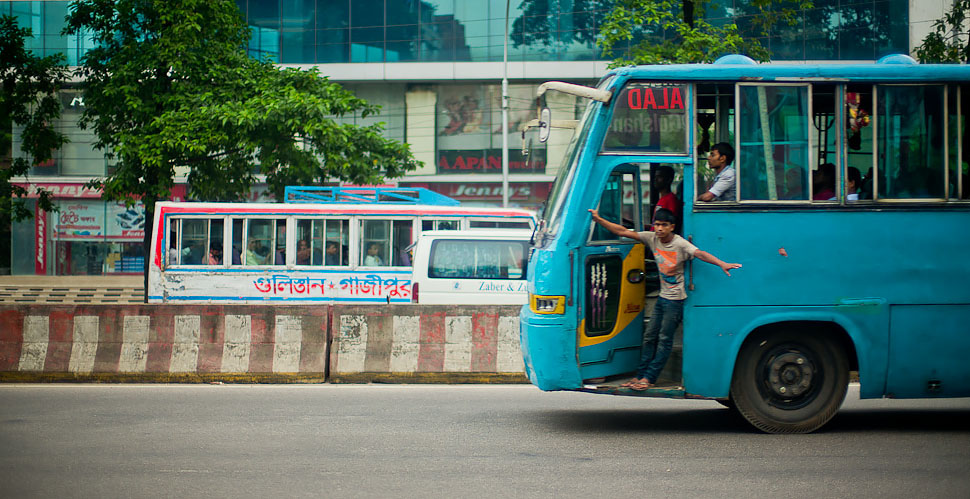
<point x="850" y="214"/>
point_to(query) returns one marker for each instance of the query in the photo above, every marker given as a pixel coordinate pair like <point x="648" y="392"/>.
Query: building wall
<point x="435" y="68"/>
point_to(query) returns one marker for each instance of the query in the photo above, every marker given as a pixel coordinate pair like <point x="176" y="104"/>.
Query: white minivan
<point x="471" y="267"/>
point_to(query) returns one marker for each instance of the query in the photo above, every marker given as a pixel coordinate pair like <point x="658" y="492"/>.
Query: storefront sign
<point x="528" y="192"/>
<point x="490" y="161"/>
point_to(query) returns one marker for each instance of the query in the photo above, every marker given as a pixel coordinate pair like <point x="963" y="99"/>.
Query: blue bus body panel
<point x="872" y="275"/>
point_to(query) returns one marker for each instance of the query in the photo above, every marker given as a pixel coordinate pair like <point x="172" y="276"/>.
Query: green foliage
<point x="169" y="85"/>
<point x="675" y="31"/>
<point x="950" y="40"/>
<point x="28" y="98"/>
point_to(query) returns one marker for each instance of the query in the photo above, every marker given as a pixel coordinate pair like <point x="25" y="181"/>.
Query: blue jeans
<point x="658" y="339"/>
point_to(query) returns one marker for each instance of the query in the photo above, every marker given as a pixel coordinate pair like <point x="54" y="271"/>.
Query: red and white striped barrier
<point x="163" y="339"/>
<point x="440" y="343"/>
<point x="426" y="339"/>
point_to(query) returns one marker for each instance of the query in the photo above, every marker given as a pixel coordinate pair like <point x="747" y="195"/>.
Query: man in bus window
<point x="663" y="179"/>
<point x="373" y="257"/>
<point x="332" y="255"/>
<point x="719" y="160"/>
<point x="670" y="251"/>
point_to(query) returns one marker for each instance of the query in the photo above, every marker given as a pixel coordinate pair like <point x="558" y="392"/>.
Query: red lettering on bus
<point x="648" y="101"/>
<point x="634" y="104"/>
<point x="676" y="100"/>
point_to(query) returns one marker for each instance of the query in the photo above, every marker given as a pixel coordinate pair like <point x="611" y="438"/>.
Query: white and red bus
<point x="339" y="245"/>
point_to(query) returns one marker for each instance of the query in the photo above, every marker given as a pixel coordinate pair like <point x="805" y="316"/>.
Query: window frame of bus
<point x="325" y="219"/>
<point x="362" y="246"/>
<point x="287" y="243"/>
<point x="687" y="101"/>
<point x="841" y="164"/>
<point x="876" y="125"/>
<point x="176" y="220"/>
<point x="811" y="154"/>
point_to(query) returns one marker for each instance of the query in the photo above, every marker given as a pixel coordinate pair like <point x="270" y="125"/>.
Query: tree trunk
<point x="689" y="13"/>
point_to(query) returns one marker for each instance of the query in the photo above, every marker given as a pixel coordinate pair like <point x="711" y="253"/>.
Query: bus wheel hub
<point x="790" y="375"/>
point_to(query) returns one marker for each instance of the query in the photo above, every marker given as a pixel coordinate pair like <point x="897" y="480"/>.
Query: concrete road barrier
<point x="426" y="343"/>
<point x="196" y="343"/>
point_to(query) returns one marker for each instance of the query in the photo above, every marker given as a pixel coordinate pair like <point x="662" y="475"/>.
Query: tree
<point x="169" y="84"/>
<point x="950" y="39"/>
<point x="676" y="31"/>
<point x="28" y="99"/>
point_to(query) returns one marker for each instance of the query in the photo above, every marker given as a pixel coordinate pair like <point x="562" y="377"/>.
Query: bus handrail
<point x="366" y="195"/>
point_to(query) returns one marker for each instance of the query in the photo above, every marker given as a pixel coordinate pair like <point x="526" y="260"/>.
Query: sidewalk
<point x="71" y="289"/>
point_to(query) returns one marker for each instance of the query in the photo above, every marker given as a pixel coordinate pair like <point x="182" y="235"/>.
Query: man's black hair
<point x="664" y="215"/>
<point x="724" y="149"/>
<point x="216" y="245"/>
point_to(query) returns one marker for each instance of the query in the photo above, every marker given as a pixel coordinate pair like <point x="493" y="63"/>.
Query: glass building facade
<point x="434" y="67"/>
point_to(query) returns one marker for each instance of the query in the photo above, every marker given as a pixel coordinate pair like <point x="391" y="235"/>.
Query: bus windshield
<point x="553" y="211"/>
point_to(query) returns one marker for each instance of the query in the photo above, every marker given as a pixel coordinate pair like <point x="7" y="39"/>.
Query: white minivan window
<point x="471" y="259"/>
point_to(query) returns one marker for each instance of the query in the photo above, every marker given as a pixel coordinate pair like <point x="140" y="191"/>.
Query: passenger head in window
<point x="332" y="254"/>
<point x="215" y="253"/>
<point x="853" y="183"/>
<point x="373" y="256"/>
<point x="719" y="160"/>
<point x="662" y="180"/>
<point x="793" y="184"/>
<point x="303" y="252"/>
<point x="823" y="183"/>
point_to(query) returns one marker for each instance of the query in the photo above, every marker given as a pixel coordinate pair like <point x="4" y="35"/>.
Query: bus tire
<point x="790" y="381"/>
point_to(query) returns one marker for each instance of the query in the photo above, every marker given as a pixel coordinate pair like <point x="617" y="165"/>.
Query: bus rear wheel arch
<point x="791" y="378"/>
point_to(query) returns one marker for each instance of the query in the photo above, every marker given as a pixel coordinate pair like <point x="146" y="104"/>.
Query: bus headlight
<point x="547" y="304"/>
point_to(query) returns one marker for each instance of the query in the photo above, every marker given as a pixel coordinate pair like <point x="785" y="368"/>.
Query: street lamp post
<point x="505" y="111"/>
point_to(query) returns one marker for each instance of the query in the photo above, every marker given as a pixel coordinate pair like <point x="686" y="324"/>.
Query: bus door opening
<point x="613" y="285"/>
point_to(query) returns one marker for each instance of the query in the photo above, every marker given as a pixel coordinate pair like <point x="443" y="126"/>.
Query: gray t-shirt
<point x="670" y="258"/>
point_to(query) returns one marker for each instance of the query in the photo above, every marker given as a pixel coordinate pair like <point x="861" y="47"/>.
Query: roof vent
<point x="897" y="59"/>
<point x="736" y="59"/>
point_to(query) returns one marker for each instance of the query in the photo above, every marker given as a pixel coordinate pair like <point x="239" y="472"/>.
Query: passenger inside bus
<point x="373" y="257"/>
<point x="305" y="255"/>
<point x="719" y="160"/>
<point x="823" y="183"/>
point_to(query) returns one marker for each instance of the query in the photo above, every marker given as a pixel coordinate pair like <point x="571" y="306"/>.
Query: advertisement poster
<point x="97" y="220"/>
<point x="469" y="129"/>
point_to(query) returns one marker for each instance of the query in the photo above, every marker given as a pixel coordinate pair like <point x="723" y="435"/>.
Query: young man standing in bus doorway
<point x="670" y="251"/>
<point x="719" y="160"/>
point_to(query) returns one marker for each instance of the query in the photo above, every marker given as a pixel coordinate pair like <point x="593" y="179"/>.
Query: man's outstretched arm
<point x="713" y="260"/>
<point x="616" y="229"/>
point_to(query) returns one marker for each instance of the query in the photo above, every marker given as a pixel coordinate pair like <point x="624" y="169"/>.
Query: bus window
<point x="200" y="241"/>
<point x="618" y="204"/>
<point x="715" y="123"/>
<point x="262" y="247"/>
<point x="494" y="224"/>
<point x="439" y="225"/>
<point x="910" y="141"/>
<point x="401" y="240"/>
<point x="649" y="117"/>
<point x="859" y="134"/>
<point x="375" y="242"/>
<point x="309" y="242"/>
<point x="237" y="242"/>
<point x="774" y="124"/>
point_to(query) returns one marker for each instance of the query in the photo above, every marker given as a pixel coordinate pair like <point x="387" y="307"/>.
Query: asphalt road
<point x="283" y="441"/>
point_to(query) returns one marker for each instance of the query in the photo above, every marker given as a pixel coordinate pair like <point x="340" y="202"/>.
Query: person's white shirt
<point x="852" y="197"/>
<point x="372" y="261"/>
